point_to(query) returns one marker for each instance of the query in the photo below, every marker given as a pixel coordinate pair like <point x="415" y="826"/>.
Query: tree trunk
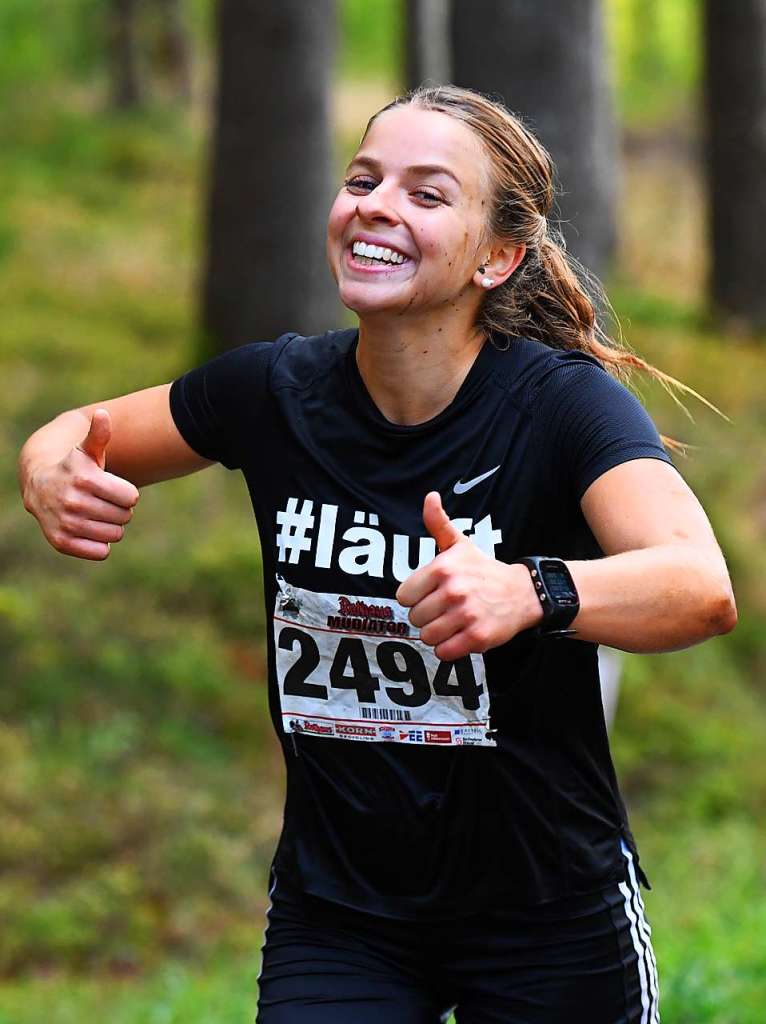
<point x="427" y="51"/>
<point x="271" y="174"/>
<point x="548" y="63"/>
<point x="735" y="102"/>
<point x="175" y="50"/>
<point x="125" y="64"/>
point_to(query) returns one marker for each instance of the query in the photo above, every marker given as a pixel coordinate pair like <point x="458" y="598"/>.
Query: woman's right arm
<point x="79" y="474"/>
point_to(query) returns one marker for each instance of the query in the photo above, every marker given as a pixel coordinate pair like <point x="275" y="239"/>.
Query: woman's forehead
<point x="414" y="136"/>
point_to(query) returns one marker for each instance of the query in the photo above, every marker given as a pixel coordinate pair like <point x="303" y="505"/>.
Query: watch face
<point x="559" y="582"/>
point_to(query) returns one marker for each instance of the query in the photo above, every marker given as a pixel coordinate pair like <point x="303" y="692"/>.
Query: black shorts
<point x="588" y="958"/>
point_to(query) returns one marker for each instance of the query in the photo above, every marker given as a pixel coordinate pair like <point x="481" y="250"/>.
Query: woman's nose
<point x="379" y="204"/>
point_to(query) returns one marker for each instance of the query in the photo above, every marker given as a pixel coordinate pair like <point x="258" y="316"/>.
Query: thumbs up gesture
<point x="98" y="437"/>
<point x="81" y="508"/>
<point x="439" y="524"/>
<point x="463" y="601"/>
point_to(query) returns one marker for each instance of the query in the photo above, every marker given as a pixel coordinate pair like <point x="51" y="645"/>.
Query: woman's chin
<point x="364" y="302"/>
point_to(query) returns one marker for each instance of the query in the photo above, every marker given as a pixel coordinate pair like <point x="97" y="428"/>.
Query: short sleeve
<point x="216" y="406"/>
<point x="590" y="422"/>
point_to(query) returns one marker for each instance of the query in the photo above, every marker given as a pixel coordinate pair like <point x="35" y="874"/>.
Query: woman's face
<point x="416" y="191"/>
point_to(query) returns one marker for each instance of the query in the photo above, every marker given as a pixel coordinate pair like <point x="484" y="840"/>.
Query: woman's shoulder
<point x="534" y="371"/>
<point x="298" y="360"/>
<point x="573" y="397"/>
<point x="545" y="358"/>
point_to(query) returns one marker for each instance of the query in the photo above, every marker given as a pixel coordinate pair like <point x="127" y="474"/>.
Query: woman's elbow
<point x="722" y="614"/>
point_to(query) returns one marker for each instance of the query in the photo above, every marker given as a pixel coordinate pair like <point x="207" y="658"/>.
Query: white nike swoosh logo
<point x="461" y="488"/>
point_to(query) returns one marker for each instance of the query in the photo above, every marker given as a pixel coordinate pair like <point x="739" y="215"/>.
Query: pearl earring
<point x="487" y="282"/>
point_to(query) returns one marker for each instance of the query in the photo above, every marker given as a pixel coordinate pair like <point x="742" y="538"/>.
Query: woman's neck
<point x="413" y="368"/>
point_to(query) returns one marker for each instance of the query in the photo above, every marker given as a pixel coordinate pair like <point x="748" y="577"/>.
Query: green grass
<point x="125" y="709"/>
<point x="220" y="993"/>
<point x="709" y="921"/>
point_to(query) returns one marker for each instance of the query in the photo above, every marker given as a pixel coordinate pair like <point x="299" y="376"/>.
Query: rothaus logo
<point x="307" y="528"/>
<point x="361" y="617"/>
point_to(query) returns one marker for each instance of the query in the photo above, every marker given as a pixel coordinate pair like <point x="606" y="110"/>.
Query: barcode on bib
<point x="386" y="714"/>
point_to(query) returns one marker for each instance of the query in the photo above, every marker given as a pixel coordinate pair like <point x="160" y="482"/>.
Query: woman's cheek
<point x="337" y="219"/>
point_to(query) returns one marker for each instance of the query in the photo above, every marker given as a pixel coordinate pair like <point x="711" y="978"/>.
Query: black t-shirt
<point x="418" y="788"/>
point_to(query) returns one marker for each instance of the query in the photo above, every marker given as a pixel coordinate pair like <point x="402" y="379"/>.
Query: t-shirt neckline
<point x="480" y="369"/>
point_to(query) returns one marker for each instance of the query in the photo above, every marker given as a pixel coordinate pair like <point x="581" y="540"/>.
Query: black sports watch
<point x="557" y="593"/>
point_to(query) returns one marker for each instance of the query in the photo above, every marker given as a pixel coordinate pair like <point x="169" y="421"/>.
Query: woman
<point x="453" y="836"/>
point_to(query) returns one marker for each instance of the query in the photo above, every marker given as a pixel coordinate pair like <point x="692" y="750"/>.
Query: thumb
<point x="438" y="523"/>
<point x="98" y="437"/>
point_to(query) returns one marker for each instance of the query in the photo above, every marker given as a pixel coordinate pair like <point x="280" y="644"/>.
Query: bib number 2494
<point x="399" y="671"/>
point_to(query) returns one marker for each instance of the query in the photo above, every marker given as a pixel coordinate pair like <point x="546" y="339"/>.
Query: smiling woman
<point x="456" y="505"/>
<point x="425" y="200"/>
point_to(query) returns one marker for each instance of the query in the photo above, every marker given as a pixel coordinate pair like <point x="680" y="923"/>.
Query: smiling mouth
<point x="365" y="254"/>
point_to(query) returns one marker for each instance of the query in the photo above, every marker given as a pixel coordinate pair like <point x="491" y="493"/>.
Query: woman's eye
<point x="360" y="184"/>
<point x="429" y="196"/>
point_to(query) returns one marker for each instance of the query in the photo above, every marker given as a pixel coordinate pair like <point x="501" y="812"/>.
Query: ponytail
<point x="543" y="299"/>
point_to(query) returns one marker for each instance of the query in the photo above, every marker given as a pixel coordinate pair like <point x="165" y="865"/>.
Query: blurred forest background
<point x="140" y="786"/>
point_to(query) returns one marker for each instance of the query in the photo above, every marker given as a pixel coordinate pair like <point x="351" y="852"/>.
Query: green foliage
<point x="54" y="39"/>
<point x="60" y="43"/>
<point x="371" y="39"/>
<point x="656" y="57"/>
<point x="47" y="44"/>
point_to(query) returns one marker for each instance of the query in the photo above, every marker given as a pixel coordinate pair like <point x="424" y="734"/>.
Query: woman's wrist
<point x="530" y="612"/>
<point x="26" y="469"/>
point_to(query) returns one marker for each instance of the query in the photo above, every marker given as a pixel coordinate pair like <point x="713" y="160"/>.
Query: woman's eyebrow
<point x="433" y="169"/>
<point x="374" y="165"/>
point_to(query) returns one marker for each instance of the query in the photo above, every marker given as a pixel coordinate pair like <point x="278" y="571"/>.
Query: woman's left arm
<point x="663" y="583"/>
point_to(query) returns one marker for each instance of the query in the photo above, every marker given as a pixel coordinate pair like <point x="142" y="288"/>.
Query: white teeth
<point x="377" y="252"/>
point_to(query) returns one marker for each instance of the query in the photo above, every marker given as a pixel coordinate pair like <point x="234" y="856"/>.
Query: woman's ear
<point x="502" y="262"/>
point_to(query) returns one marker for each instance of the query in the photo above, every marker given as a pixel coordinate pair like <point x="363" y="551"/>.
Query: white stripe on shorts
<point x="640" y="933"/>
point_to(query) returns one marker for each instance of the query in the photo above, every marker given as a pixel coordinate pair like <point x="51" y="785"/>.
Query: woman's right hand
<point x="81" y="508"/>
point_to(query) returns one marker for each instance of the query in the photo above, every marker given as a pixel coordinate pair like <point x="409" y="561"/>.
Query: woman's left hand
<point x="463" y="601"/>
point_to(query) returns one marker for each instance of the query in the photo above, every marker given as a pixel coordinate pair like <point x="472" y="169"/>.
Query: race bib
<point x="354" y="668"/>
